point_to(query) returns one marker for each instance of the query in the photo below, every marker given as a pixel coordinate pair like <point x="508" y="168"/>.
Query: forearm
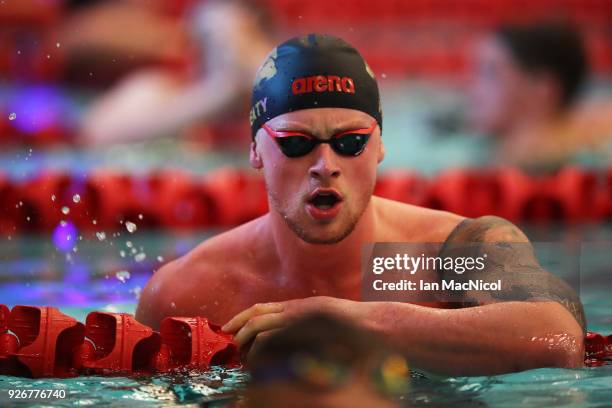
<point x="490" y="339"/>
<point x="154" y="104"/>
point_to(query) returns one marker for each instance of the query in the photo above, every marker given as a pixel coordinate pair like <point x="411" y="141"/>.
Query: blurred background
<point x="125" y="135"/>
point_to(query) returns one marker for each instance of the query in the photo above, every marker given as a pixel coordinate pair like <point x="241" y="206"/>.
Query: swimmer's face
<point x="499" y="88"/>
<point x="322" y="194"/>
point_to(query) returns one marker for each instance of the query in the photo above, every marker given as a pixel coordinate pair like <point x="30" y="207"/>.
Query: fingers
<point x="259" y="340"/>
<point x="257" y="325"/>
<point x="238" y="321"/>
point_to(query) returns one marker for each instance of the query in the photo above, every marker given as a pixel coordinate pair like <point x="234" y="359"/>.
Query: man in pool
<point x="316" y="123"/>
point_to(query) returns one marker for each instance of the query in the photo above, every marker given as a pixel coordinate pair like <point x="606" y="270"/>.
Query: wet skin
<point x="259" y="276"/>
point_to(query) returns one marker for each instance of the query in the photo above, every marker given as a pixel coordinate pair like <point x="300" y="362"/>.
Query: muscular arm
<point x="190" y="286"/>
<point x="153" y="304"/>
<point x="152" y="104"/>
<point x="511" y="258"/>
<point x="535" y="321"/>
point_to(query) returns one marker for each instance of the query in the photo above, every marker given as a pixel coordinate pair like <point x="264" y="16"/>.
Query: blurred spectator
<point x="321" y="361"/>
<point x="524" y="91"/>
<point x="233" y="37"/>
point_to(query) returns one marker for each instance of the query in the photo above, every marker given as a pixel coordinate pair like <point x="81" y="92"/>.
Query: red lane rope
<point x="43" y="342"/>
<point x="104" y="200"/>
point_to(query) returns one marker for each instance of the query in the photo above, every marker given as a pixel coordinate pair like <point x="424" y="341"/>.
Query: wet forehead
<point x="322" y="122"/>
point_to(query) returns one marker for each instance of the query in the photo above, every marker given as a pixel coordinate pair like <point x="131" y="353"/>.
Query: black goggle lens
<point x="295" y="146"/>
<point x="351" y="144"/>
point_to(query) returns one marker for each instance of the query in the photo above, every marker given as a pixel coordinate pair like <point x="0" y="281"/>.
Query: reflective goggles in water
<point x="390" y="375"/>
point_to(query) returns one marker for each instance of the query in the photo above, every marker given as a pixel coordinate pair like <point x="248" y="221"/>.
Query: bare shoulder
<point x="487" y="229"/>
<point x="511" y="259"/>
<point x="410" y="223"/>
<point x="200" y="282"/>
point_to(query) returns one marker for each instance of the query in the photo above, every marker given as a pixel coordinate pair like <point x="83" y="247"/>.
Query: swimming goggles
<point x="389" y="375"/>
<point x="297" y="144"/>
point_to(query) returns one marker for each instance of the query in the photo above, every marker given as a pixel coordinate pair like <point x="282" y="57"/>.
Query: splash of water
<point x="122" y="276"/>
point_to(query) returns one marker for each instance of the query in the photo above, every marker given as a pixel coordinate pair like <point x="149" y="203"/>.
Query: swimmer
<point x="316" y="123"/>
<point x="321" y="361"/>
<point x="154" y="102"/>
<point x="526" y="92"/>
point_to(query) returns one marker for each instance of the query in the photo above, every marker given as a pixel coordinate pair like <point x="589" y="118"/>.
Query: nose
<point x="325" y="166"/>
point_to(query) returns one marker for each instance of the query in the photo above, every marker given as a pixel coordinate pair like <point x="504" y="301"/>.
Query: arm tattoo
<point x="511" y="258"/>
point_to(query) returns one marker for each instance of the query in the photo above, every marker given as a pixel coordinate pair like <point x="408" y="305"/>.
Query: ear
<point x="546" y="91"/>
<point x="255" y="157"/>
<point x="381" y="151"/>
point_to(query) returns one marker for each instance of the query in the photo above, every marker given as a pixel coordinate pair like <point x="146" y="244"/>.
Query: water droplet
<point x="129" y="244"/>
<point x="53" y="197"/>
<point x="65" y="210"/>
<point x="136" y="291"/>
<point x="140" y="216"/>
<point x="76" y="198"/>
<point x="57" y="44"/>
<point x="160" y="259"/>
<point x="130" y="226"/>
<point x="27" y="218"/>
<point x="122" y="253"/>
<point x="94" y="222"/>
<point x="383" y="75"/>
<point x="13" y="116"/>
<point x="140" y="257"/>
<point x="48" y="56"/>
<point x="63" y="223"/>
<point x="101" y="235"/>
<point x="122" y="276"/>
<point x="173" y="305"/>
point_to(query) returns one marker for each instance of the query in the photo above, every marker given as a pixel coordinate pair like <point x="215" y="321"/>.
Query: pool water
<point x="215" y="387"/>
<point x="40" y="275"/>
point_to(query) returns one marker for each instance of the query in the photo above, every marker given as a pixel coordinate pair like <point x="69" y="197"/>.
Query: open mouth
<point x="324" y="200"/>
